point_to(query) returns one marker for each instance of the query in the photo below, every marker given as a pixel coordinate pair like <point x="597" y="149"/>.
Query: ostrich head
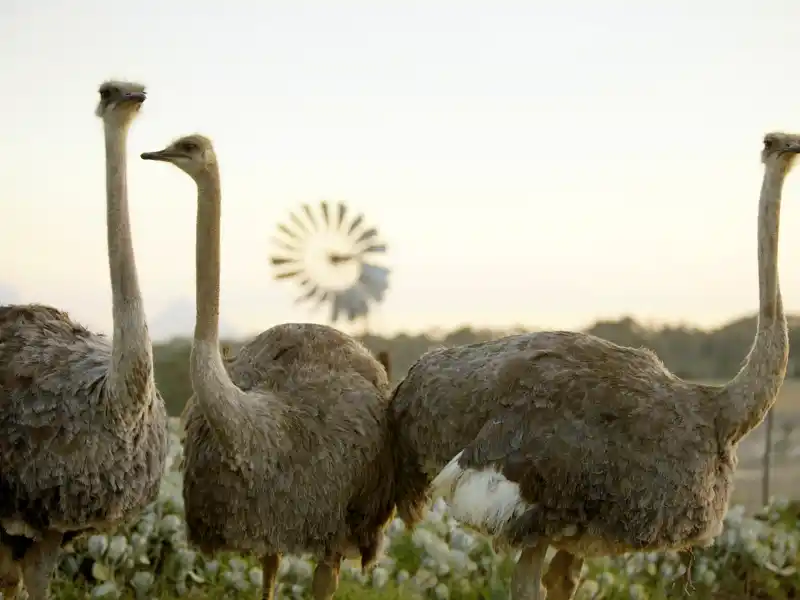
<point x="120" y="102"/>
<point x="193" y="154"/>
<point x="783" y="147"/>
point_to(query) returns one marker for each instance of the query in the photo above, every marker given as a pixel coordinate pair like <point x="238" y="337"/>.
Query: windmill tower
<point x="330" y="255"/>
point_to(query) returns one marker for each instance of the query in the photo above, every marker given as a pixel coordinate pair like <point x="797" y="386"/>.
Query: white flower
<point x="638" y="592"/>
<point x="212" y="567"/>
<point x="667" y="570"/>
<point x="146" y="525"/>
<point x="236" y="564"/>
<point x="780" y="504"/>
<point x="380" y="577"/>
<point x="98" y="544"/>
<point x="396" y="527"/>
<point x="256" y="576"/>
<point x="169" y="524"/>
<point x="303" y="569"/>
<point x="106" y="590"/>
<point x="442" y="592"/>
<point x="709" y="577"/>
<point x="424" y="579"/>
<point x="606" y="579"/>
<point x="236" y="579"/>
<point x="116" y="548"/>
<point x="141" y="582"/>
<point x="186" y="558"/>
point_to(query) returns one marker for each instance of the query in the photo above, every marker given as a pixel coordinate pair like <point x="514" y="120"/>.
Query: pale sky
<point x="529" y="162"/>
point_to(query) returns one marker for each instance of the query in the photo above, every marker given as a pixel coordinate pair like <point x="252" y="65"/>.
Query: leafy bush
<point x="756" y="557"/>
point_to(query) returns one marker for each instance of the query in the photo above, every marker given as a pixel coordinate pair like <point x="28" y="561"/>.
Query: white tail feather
<point x="482" y="498"/>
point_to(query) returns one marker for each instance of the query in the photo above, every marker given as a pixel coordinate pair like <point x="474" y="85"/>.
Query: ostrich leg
<point x="326" y="578"/>
<point x="269" y="568"/>
<point x="39" y="563"/>
<point x="563" y="576"/>
<point x="526" y="583"/>
<point x="10" y="577"/>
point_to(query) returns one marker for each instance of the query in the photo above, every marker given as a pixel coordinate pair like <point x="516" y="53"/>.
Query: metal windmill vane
<point x="329" y="254"/>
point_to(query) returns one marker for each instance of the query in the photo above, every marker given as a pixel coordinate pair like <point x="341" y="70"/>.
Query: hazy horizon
<point x="528" y="163"/>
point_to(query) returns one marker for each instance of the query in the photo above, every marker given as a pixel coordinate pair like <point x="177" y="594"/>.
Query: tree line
<point x="689" y="352"/>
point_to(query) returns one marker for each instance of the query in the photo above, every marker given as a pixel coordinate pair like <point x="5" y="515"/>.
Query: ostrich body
<point x="383" y="358"/>
<point x="83" y="431"/>
<point x="565" y="439"/>
<point x="287" y="443"/>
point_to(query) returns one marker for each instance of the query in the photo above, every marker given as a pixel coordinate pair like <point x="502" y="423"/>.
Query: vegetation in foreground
<point x="756" y="557"/>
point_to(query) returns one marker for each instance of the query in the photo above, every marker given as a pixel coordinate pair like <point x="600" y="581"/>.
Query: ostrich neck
<point x="220" y="400"/>
<point x="750" y="394"/>
<point x="207" y="259"/>
<point x="132" y="359"/>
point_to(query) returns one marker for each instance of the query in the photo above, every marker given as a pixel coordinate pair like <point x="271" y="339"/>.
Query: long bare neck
<point x="219" y="399"/>
<point x="131" y="376"/>
<point x="749" y="395"/>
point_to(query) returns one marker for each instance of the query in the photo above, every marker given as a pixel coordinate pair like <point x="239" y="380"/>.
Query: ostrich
<point x="287" y="445"/>
<point x="83" y="431"/>
<point x="564" y="439"/>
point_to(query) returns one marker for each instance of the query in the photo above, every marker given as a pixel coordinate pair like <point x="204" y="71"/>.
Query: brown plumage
<point x="287" y="447"/>
<point x="383" y="358"/>
<point x="83" y="431"/>
<point x="565" y="439"/>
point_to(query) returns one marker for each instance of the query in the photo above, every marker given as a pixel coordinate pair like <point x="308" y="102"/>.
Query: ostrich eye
<point x="188" y="146"/>
<point x="105" y="94"/>
<point x="768" y="143"/>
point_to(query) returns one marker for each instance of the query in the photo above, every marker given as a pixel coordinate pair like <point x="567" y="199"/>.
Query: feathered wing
<point x="542" y="464"/>
<point x="61" y="465"/>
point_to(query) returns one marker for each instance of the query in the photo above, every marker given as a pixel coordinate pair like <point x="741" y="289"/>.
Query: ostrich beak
<point x="136" y="97"/>
<point x="162" y="155"/>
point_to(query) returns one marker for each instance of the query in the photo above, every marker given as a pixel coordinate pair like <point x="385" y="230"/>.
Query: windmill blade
<point x="285" y="246"/>
<point x="292" y="234"/>
<point x="326" y="215"/>
<point x="320" y="300"/>
<point x="309" y="294"/>
<point x="277" y="261"/>
<point x="373" y="248"/>
<point x="369" y="234"/>
<point x="342" y="211"/>
<point x="310" y="215"/>
<point x="299" y="222"/>
<point x="354" y="225"/>
<point x="288" y="274"/>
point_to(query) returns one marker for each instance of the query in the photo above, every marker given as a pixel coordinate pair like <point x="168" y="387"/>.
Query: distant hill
<point x="689" y="352"/>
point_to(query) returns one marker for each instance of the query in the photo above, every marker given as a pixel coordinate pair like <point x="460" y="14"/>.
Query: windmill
<point x="329" y="254"/>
